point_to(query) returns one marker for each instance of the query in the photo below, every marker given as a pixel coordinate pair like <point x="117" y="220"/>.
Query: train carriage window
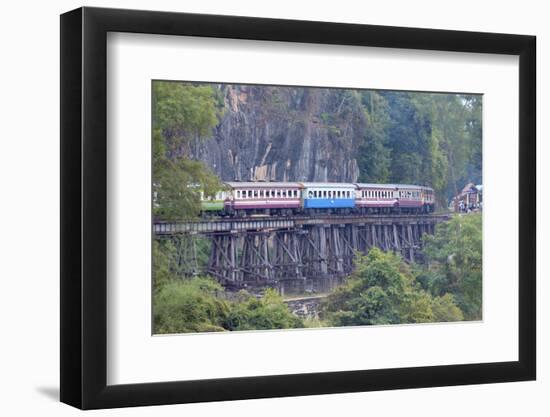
<point x="238" y="193"/>
<point x="337" y="193"/>
<point x="272" y="193"/>
<point x="284" y="194"/>
<point x="255" y="193"/>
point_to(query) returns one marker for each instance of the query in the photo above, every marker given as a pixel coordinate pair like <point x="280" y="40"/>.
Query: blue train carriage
<point x="326" y="197"/>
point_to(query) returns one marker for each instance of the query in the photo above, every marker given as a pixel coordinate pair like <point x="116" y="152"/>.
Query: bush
<point x="267" y="312"/>
<point x="189" y="306"/>
<point x="194" y="305"/>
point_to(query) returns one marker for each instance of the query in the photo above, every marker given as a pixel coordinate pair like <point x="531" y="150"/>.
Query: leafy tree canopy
<point x="383" y="290"/>
<point x="183" y="113"/>
<point x="454" y="262"/>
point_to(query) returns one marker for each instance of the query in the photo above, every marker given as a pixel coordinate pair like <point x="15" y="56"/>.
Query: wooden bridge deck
<point x="224" y="225"/>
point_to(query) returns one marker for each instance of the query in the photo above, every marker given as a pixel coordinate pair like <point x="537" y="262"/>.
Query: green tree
<point x="432" y="139"/>
<point x="163" y="263"/>
<point x="373" y="154"/>
<point x="183" y="114"/>
<point x="454" y="262"/>
<point x="383" y="290"/>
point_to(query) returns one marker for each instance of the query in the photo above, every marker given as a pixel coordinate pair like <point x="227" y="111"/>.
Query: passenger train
<point x="294" y="198"/>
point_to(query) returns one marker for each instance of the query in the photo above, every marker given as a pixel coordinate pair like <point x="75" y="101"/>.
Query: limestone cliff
<point x="285" y="134"/>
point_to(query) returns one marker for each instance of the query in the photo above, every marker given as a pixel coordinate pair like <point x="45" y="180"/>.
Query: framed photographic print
<point x="257" y="207"/>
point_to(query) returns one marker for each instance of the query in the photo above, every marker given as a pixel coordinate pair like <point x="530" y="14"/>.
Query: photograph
<point x="294" y="207"/>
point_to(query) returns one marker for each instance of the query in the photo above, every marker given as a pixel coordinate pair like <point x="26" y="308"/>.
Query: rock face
<point x="307" y="307"/>
<point x="270" y="133"/>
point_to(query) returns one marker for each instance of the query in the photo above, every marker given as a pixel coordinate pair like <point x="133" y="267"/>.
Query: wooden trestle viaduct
<point x="293" y="253"/>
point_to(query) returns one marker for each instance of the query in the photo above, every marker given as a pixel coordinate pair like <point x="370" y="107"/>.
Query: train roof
<point x="367" y="185"/>
<point x="386" y="186"/>
<point x="263" y="184"/>
<point x="282" y="184"/>
<point x="410" y="186"/>
<point x="328" y="185"/>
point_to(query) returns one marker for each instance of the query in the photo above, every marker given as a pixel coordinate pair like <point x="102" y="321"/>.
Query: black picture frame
<point x="84" y="207"/>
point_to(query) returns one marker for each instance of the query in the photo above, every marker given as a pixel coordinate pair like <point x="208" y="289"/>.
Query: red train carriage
<point x="263" y="197"/>
<point x="428" y="199"/>
<point x="410" y="197"/>
<point x="376" y="197"/>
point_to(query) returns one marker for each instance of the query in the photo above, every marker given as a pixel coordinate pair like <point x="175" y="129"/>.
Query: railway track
<point x="252" y="223"/>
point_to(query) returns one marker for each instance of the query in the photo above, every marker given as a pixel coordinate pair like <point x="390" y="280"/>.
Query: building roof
<point x="467" y="187"/>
